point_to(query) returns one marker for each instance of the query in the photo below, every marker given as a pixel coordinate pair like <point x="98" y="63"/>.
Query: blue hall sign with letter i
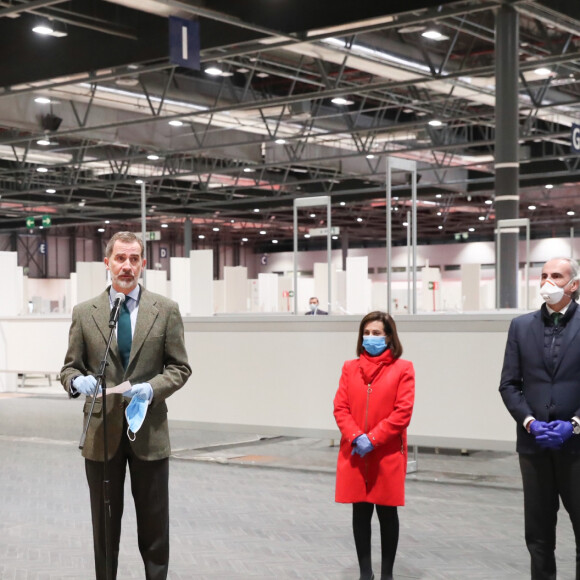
<point x="184" y="45"/>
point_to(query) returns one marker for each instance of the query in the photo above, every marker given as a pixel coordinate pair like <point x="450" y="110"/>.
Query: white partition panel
<point x="282" y="372"/>
<point x="268" y="291"/>
<point x="285" y="300"/>
<point x="201" y="283"/>
<point x="339" y="306"/>
<point x="219" y="299"/>
<point x="357" y="289"/>
<point x="430" y="295"/>
<point x="236" y="288"/>
<point x="157" y="281"/>
<point x="321" y="284"/>
<point x="180" y="283"/>
<point x="91" y="279"/>
<point x="11" y="289"/>
<point x="305" y="291"/>
<point x="470" y="286"/>
<point x="262" y="389"/>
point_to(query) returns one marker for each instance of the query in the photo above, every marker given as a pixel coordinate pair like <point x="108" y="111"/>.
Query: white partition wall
<point x="157" y="281"/>
<point x="91" y="279"/>
<point x="321" y="284"/>
<point x="285" y="300"/>
<point x="201" y="283"/>
<point x="219" y="301"/>
<point x="236" y="288"/>
<point x="357" y="289"/>
<point x="268" y="290"/>
<point x="305" y="291"/>
<point x="12" y="287"/>
<point x="470" y="286"/>
<point x="180" y="283"/>
<point x="339" y="301"/>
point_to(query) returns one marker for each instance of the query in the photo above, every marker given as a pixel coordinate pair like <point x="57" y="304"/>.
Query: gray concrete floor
<point x="250" y="507"/>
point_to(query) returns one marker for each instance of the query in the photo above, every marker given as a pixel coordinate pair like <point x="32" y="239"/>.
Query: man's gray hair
<point x="574" y="273"/>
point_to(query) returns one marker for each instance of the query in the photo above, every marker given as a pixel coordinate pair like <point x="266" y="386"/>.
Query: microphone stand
<point x="101" y="382"/>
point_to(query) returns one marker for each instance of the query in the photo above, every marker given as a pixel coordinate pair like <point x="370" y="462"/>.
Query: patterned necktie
<point x="556" y="317"/>
<point x="124" y="335"/>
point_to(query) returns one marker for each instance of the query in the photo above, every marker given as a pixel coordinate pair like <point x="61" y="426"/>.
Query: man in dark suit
<point x="149" y="351"/>
<point x="540" y="386"/>
<point x="314" y="310"/>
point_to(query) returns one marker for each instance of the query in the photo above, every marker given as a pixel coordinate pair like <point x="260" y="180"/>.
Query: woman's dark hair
<point x="390" y="330"/>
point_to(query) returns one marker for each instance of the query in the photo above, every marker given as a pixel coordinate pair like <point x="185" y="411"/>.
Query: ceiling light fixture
<point x="280" y="141"/>
<point x="359" y="219"/>
<point x="153" y="157"/>
<point x="571" y="212"/>
<point x="488" y="202"/>
<point x="532" y="207"/>
<point x="549" y="186"/>
<point x="164" y="225"/>
<point x="42" y="100"/>
<point x="335" y="237"/>
<point x="50" y="190"/>
<point x="543" y="72"/>
<point x="213" y="71"/>
<point x="41" y="169"/>
<point x="471" y="229"/>
<point x="274" y="241"/>
<point x="244" y="239"/>
<point x="256" y="210"/>
<point x="370" y="156"/>
<point x="263" y="232"/>
<point x="138" y="181"/>
<point x="481" y="218"/>
<point x="435" y="123"/>
<point x="249" y="170"/>
<point x="341" y="101"/>
<point x="306" y="235"/>
<point x="216" y="229"/>
<point x="101" y="230"/>
<point x="434" y="35"/>
<point x="312" y="215"/>
<point x="201" y="237"/>
<point x="439" y="227"/>
<point x="176" y="123"/>
<point x="43" y="142"/>
<point x="343" y="203"/>
<point x="49" y="29"/>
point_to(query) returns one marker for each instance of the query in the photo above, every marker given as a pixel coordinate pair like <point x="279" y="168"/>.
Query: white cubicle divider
<point x="12" y="287"/>
<point x="282" y="374"/>
<point x="201" y="283"/>
<point x="357" y="288"/>
<point x="470" y="286"/>
<point x="321" y="284"/>
<point x="285" y="294"/>
<point x="236" y="289"/>
<point x="219" y="301"/>
<point x="156" y="281"/>
<point x="91" y="279"/>
<point x="180" y="283"/>
<point x="268" y="291"/>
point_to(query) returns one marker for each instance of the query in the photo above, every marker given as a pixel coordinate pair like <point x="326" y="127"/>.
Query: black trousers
<point x="548" y="476"/>
<point x="150" y="489"/>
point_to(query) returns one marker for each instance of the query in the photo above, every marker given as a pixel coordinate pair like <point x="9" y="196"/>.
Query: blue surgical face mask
<point x="375" y="345"/>
<point x="135" y="413"/>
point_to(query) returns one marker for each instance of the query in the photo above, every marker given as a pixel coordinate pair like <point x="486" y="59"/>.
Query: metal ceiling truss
<point x="223" y="163"/>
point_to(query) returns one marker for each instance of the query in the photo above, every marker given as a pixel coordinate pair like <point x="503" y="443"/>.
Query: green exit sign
<point x="46" y="221"/>
<point x="30" y="222"/>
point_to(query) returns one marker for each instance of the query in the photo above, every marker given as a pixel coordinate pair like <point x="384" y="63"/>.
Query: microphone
<point x="116" y="310"/>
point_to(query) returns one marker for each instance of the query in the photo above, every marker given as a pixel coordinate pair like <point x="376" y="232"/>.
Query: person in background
<point x="149" y="352"/>
<point x="372" y="408"/>
<point x="540" y="386"/>
<point x="314" y="310"/>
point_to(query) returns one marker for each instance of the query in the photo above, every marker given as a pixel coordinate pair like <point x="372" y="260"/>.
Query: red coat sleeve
<point x="345" y="421"/>
<point x="400" y="417"/>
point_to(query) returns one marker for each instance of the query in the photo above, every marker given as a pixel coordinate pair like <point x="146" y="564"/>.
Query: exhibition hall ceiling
<point x="292" y="99"/>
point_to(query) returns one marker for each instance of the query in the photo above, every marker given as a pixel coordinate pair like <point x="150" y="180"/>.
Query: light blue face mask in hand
<point x="135" y="413"/>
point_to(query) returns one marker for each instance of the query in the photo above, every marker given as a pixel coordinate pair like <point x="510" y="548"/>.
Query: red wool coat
<point x="375" y="396"/>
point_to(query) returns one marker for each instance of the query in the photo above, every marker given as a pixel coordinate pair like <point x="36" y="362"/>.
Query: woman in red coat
<point x="372" y="408"/>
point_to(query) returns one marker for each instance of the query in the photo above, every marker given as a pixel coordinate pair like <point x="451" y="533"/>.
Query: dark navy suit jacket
<point x="527" y="385"/>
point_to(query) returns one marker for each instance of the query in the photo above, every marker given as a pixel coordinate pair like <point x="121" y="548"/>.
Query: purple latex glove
<point x="362" y="445"/>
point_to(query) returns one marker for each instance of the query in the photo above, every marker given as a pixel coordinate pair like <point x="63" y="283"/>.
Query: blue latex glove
<point x="142" y="391"/>
<point x="563" y="428"/>
<point x="85" y="385"/>
<point x="362" y="445"/>
<point x="550" y="440"/>
<point x="538" y="428"/>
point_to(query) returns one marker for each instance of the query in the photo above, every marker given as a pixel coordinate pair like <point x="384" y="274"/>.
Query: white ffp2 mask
<point x="551" y="293"/>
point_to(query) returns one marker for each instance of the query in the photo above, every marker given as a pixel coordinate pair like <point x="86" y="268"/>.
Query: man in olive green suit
<point x="154" y="360"/>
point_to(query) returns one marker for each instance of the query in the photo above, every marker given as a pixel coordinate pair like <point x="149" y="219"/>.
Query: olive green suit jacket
<point x="158" y="357"/>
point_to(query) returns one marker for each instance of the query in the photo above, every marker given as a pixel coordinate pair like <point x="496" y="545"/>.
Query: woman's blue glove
<point x="84" y="385"/>
<point x="362" y="445"/>
<point x="142" y="391"/>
